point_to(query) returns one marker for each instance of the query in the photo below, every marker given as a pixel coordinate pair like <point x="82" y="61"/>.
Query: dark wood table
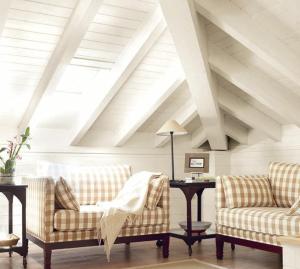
<point x="18" y="191"/>
<point x="189" y="190"/>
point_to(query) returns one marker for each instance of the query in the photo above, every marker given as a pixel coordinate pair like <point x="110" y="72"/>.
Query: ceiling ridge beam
<point x="4" y="9"/>
<point x="246" y="113"/>
<point x="183" y="116"/>
<point x="173" y="79"/>
<point x="185" y="28"/>
<point x="136" y="50"/>
<point x="77" y="26"/>
<point x="263" y="88"/>
<point x="238" y="24"/>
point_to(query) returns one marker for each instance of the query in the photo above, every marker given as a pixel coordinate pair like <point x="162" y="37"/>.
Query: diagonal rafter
<point x="238" y="24"/>
<point x="186" y="29"/>
<point x="78" y="24"/>
<point x="263" y="88"/>
<point x="133" y="54"/>
<point x="172" y="80"/>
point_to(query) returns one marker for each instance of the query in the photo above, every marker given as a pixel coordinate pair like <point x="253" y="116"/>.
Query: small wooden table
<point x="290" y="251"/>
<point x="20" y="192"/>
<point x="189" y="190"/>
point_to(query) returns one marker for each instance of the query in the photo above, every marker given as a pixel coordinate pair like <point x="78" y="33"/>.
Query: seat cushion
<point x="88" y="216"/>
<point x="269" y="220"/>
<point x="285" y="183"/>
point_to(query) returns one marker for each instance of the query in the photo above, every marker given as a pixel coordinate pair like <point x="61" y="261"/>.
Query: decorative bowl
<point x="8" y="240"/>
<point x="7" y="179"/>
<point x="197" y="226"/>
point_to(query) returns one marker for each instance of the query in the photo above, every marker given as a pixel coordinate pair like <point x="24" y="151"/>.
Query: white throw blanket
<point x="129" y="202"/>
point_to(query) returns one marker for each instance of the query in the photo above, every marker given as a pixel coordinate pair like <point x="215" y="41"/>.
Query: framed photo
<point x="196" y="163"/>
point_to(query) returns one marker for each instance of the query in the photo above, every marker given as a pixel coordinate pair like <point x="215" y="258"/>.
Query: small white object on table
<point x="290" y="251"/>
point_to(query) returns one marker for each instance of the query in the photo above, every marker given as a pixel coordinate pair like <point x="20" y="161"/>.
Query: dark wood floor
<point x="143" y="254"/>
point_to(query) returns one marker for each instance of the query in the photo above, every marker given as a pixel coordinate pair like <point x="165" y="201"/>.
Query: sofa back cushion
<point x="285" y="183"/>
<point x="247" y="191"/>
<point x="64" y="196"/>
<point x="154" y="192"/>
<point x="89" y="184"/>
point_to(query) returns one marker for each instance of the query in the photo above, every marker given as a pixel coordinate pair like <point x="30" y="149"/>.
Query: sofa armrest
<point x="40" y="207"/>
<point x="164" y="201"/>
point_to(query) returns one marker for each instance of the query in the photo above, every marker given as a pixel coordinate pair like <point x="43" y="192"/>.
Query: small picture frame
<point x="196" y="163"/>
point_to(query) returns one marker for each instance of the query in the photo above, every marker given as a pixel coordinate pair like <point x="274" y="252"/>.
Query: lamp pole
<point x="172" y="154"/>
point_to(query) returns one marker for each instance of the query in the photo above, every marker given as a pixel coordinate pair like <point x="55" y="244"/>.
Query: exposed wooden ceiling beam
<point x="77" y="26"/>
<point x="183" y="116"/>
<point x="198" y="138"/>
<point x="190" y="41"/>
<point x="235" y="130"/>
<point x="173" y="79"/>
<point x="132" y="55"/>
<point x="243" y="111"/>
<point x="258" y="85"/>
<point x="4" y="7"/>
<point x="238" y="24"/>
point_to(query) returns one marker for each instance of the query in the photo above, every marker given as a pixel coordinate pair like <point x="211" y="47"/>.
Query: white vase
<point x="6" y="178"/>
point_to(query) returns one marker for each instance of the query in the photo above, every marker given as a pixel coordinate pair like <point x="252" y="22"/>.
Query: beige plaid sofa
<point x="52" y="228"/>
<point x="260" y="227"/>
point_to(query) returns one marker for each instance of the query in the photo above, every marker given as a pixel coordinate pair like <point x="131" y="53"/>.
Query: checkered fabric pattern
<point x="220" y="194"/>
<point x="95" y="184"/>
<point x="40" y="206"/>
<point x="294" y="208"/>
<point x="88" y="217"/>
<point x="247" y="191"/>
<point x="154" y="192"/>
<point x="285" y="183"/>
<point x="64" y="197"/>
<point x="41" y="210"/>
<point x="267" y="220"/>
<point x="248" y="235"/>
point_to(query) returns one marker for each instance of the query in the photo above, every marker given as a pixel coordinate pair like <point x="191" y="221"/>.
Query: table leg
<point x="24" y="239"/>
<point x="199" y="207"/>
<point x="10" y="199"/>
<point x="189" y="220"/>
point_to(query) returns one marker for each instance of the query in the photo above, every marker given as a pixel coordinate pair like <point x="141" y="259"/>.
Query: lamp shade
<point x="171" y="126"/>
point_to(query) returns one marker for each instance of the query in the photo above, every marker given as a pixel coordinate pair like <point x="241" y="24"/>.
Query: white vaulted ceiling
<point x="115" y="68"/>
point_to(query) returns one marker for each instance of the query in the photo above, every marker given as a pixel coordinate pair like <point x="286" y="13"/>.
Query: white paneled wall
<point x="254" y="159"/>
<point x="157" y="160"/>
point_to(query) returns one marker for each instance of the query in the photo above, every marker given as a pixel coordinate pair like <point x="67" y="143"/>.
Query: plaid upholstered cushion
<point x="154" y="192"/>
<point x="88" y="217"/>
<point x="64" y="196"/>
<point x="285" y="183"/>
<point x="247" y="191"/>
<point x="267" y="220"/>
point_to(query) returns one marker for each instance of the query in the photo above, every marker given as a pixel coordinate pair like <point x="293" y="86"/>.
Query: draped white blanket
<point x="129" y="202"/>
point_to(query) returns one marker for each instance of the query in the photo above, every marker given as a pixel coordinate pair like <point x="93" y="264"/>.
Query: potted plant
<point x="8" y="163"/>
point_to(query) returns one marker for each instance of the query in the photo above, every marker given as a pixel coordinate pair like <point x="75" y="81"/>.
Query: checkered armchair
<point x="255" y="210"/>
<point x="53" y="228"/>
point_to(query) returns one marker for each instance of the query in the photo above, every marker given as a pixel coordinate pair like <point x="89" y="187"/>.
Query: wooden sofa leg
<point x="47" y="257"/>
<point x="165" y="246"/>
<point x="219" y="247"/>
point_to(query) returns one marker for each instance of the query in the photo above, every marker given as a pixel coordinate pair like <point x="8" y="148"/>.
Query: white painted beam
<point x="198" y="138"/>
<point x="94" y="104"/>
<point x="235" y="130"/>
<point x="190" y="41"/>
<point x="183" y="116"/>
<point x="77" y="26"/>
<point x="258" y="85"/>
<point x="173" y="79"/>
<point x="238" y="24"/>
<point x="4" y="7"/>
<point x="243" y="111"/>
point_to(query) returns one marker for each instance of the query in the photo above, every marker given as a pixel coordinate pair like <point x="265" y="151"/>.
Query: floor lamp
<point x="171" y="128"/>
